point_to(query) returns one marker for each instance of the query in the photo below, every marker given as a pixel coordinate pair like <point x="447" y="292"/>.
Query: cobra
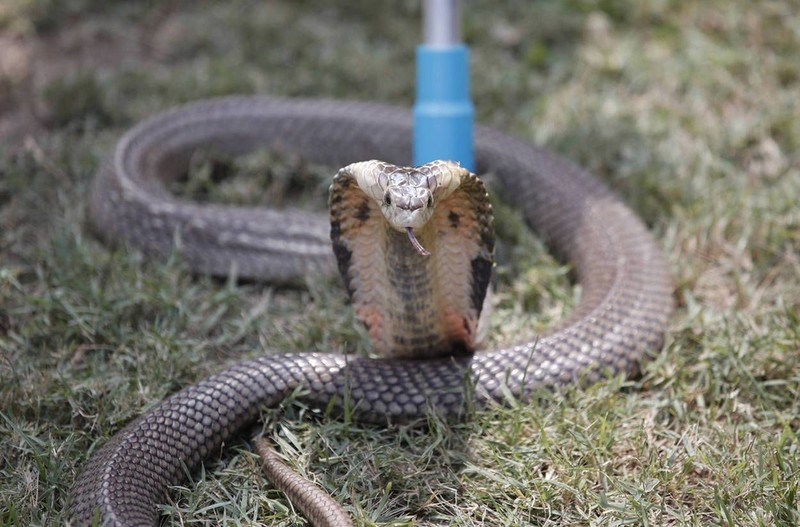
<point x="414" y="302"/>
<point x="624" y="309"/>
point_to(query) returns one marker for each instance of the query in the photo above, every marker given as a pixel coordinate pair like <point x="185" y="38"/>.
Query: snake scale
<point x="625" y="304"/>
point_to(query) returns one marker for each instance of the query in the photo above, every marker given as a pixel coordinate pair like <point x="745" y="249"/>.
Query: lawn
<point x="689" y="110"/>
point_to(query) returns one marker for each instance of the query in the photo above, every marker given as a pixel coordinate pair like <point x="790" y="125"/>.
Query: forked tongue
<point x="418" y="246"/>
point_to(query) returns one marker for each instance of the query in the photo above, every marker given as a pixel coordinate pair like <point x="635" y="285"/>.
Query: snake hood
<point x="418" y="303"/>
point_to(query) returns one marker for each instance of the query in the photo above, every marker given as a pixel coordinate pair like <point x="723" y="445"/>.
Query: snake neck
<point x="414" y="306"/>
<point x="418" y="314"/>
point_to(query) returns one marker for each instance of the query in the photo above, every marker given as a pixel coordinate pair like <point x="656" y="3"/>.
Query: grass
<point x="688" y="109"/>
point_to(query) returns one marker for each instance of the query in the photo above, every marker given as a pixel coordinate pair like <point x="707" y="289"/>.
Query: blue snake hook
<point x="443" y="112"/>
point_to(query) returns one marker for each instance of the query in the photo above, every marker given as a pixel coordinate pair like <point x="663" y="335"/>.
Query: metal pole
<point x="441" y="21"/>
<point x="443" y="112"/>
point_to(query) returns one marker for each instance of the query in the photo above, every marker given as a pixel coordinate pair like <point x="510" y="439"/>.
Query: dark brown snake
<point x="625" y="304"/>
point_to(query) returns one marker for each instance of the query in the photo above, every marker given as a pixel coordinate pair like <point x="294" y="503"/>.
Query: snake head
<point x="407" y="205"/>
<point x="406" y="196"/>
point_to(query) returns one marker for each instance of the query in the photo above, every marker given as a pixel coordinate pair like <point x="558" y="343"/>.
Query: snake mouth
<point x="415" y="242"/>
<point x="403" y="219"/>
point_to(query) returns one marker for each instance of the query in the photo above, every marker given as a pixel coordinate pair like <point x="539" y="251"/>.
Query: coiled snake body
<point x="624" y="307"/>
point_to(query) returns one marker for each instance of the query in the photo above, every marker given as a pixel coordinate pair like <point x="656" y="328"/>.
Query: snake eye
<point x="387" y="199"/>
<point x="430" y="201"/>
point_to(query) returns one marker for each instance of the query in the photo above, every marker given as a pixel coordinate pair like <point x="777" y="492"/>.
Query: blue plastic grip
<point x="443" y="112"/>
